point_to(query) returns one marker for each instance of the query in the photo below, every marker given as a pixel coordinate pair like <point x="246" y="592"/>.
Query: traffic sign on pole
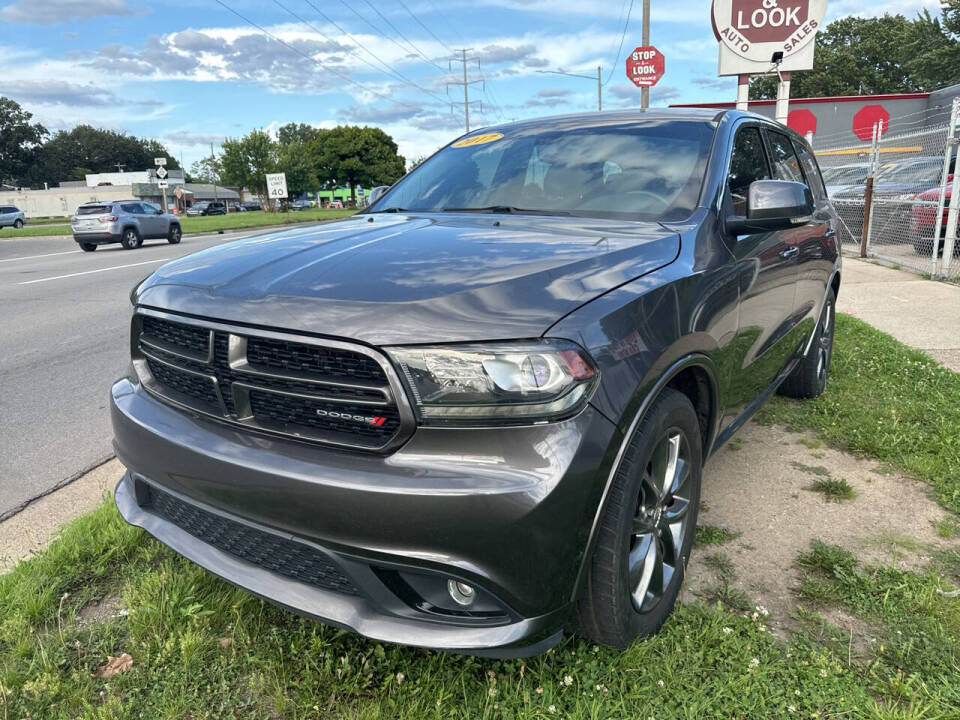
<point x="162" y="184"/>
<point x="159" y="161"/>
<point x="276" y="185"/>
<point x="161" y="172"/>
<point x="645" y="66"/>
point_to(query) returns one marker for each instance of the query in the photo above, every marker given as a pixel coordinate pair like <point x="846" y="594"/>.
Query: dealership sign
<point x="645" y="66"/>
<point x="751" y="32"/>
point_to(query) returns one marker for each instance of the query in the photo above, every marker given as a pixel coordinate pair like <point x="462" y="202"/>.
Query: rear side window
<point x="786" y="166"/>
<point x="812" y="172"/>
<point x="132" y="208"/>
<point x="747" y="164"/>
<point x="93" y="209"/>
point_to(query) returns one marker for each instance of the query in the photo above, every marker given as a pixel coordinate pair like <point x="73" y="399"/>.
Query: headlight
<point x="529" y="381"/>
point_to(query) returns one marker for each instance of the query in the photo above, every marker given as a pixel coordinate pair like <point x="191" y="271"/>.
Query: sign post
<point x="161" y="172"/>
<point x="276" y="187"/>
<point x="645" y="66"/>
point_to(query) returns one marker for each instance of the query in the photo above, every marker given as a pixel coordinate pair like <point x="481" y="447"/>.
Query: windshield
<point x="642" y="170"/>
<point x="913" y="172"/>
<point x="849" y="175"/>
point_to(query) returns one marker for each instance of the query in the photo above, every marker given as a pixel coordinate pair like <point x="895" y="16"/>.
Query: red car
<point x="923" y="220"/>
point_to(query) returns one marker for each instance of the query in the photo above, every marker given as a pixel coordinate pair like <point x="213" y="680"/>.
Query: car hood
<point x="385" y="279"/>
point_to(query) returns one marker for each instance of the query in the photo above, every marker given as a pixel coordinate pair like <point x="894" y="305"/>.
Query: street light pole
<point x="587" y="77"/>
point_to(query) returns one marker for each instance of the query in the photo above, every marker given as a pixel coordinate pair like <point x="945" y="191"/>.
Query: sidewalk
<point x="918" y="312"/>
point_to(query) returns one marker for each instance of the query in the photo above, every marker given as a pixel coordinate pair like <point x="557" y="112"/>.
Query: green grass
<point x="886" y="401"/>
<point x="948" y="527"/>
<point x="213" y="223"/>
<point x="714" y="535"/>
<point x="836" y="489"/>
<point x="818" y="470"/>
<point x="204" y="649"/>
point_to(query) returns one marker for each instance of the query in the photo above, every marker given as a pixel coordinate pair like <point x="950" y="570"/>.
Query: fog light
<point x="461" y="593"/>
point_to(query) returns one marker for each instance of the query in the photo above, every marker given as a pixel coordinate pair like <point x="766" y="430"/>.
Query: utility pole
<point x="645" y="41"/>
<point x="120" y="167"/>
<point x="466" y="89"/>
<point x="213" y="172"/>
<point x="599" y="91"/>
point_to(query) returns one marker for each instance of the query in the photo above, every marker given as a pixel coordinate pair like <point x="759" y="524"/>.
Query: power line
<point x="307" y="56"/>
<point x="378" y="31"/>
<point x="446" y="20"/>
<point x="420" y="23"/>
<point x="466" y="89"/>
<point x="398" y="32"/>
<point x="623" y="34"/>
<point x="396" y="73"/>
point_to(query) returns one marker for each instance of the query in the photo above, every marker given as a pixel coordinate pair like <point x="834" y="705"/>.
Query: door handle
<point x="789" y="252"/>
<point x="831" y="233"/>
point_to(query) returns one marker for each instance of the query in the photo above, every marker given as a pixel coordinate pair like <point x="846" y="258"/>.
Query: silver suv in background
<point x="14" y="217"/>
<point x="128" y="222"/>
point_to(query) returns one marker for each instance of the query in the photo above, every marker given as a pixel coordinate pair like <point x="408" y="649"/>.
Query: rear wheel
<point x="647" y="527"/>
<point x="18" y="223"/>
<point x="809" y="378"/>
<point x="130" y="239"/>
<point x="88" y="247"/>
<point x="173" y="237"/>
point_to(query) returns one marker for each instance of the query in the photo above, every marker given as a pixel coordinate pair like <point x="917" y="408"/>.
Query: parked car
<point x="299" y="205"/>
<point x="335" y="204"/>
<point x="128" y="222"/>
<point x="843" y="177"/>
<point x="895" y="186"/>
<point x="251" y="206"/>
<point x="207" y="207"/>
<point x="11" y="216"/>
<point x="923" y="221"/>
<point x="477" y="412"/>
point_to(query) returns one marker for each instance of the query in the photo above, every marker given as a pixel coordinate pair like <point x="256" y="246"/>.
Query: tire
<point x="642" y="529"/>
<point x="130" y="239"/>
<point x="809" y="378"/>
<point x="88" y="247"/>
<point x="18" y="223"/>
<point x="173" y="237"/>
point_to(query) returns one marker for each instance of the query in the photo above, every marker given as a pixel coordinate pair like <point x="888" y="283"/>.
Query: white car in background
<point x="843" y="177"/>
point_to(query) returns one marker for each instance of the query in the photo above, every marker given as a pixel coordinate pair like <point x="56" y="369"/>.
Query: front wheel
<point x="18" y="223"/>
<point x="130" y="239"/>
<point x="809" y="378"/>
<point x="173" y="237"/>
<point x="647" y="527"/>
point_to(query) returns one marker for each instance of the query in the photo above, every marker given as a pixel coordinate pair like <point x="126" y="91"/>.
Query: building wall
<point x="57" y="202"/>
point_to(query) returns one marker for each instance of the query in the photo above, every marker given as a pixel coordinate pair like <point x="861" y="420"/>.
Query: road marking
<point x="90" y="272"/>
<point x="33" y="257"/>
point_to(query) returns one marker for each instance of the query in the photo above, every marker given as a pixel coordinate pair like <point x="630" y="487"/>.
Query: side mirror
<point x="159" y="211"/>
<point x="773" y="205"/>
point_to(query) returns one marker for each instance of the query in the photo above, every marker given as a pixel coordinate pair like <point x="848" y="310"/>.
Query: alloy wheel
<point x="660" y="525"/>
<point x="825" y="343"/>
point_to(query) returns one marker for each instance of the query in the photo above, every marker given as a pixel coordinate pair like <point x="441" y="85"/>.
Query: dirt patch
<point x="97" y="612"/>
<point x="761" y="488"/>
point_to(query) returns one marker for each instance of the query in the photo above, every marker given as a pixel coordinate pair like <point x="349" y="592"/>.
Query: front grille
<point x="307" y="389"/>
<point x="278" y="554"/>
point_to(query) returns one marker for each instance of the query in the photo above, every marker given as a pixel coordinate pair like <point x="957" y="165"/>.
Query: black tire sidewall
<point x="175" y="234"/>
<point x="671" y="410"/>
<point x="17" y="224"/>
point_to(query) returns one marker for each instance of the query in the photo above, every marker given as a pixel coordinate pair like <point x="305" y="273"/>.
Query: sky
<point x="192" y="72"/>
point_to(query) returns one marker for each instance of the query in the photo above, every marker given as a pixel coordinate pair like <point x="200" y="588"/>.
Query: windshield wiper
<point x="509" y="209"/>
<point x="390" y="209"/>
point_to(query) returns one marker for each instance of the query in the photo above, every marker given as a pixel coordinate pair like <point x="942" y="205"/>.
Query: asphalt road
<point x="64" y="324"/>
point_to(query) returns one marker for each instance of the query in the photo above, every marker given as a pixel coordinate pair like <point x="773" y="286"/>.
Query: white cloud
<point x="54" y="12"/>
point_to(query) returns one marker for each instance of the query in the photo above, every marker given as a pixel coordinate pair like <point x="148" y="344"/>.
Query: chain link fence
<point x="908" y="179"/>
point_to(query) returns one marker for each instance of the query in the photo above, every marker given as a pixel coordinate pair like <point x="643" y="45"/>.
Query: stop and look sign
<point x="645" y="66"/>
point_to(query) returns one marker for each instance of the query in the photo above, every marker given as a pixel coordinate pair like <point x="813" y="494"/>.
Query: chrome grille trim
<point x="233" y="393"/>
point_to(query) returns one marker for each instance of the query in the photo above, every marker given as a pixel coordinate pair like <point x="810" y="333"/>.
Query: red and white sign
<point x="751" y="31"/>
<point x="645" y="66"/>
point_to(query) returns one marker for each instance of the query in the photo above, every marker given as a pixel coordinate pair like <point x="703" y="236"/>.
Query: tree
<point x="246" y="161"/>
<point x="19" y="140"/>
<point x="297" y="133"/>
<point x="352" y="156"/>
<point x="416" y="162"/>
<point x="69" y="155"/>
<point x="297" y="162"/>
<point x="888" y="54"/>
<point x="206" y="170"/>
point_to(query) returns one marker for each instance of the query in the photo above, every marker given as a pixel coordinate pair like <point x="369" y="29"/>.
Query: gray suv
<point x="9" y="215"/>
<point x="128" y="222"/>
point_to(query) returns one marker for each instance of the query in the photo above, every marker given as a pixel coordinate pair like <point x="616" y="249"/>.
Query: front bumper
<point x="507" y="510"/>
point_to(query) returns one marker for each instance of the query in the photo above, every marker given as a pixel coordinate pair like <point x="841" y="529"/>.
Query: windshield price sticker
<point x="478" y="140"/>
